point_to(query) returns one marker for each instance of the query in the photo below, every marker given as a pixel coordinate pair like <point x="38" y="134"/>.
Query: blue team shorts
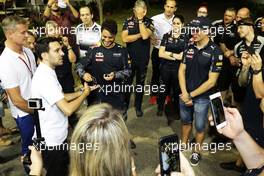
<point x="199" y="111"/>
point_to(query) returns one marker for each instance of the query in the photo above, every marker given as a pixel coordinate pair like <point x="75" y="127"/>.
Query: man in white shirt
<point x="88" y="33"/>
<point x="58" y="106"/>
<point x="17" y="65"/>
<point x="163" y="24"/>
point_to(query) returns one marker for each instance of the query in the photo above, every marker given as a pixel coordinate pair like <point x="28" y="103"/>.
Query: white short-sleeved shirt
<point x="87" y="36"/>
<point x="16" y="72"/>
<point x="162" y="26"/>
<point x="53" y="122"/>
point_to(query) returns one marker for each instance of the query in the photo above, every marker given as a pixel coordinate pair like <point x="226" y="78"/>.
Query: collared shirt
<point x="104" y="61"/>
<point x="53" y="123"/>
<point x="226" y="34"/>
<point x="174" y="45"/>
<point x="162" y="26"/>
<point x="139" y="50"/>
<point x="251" y="112"/>
<point x="16" y="71"/>
<point x="87" y="36"/>
<point x="255" y="46"/>
<point x="199" y="62"/>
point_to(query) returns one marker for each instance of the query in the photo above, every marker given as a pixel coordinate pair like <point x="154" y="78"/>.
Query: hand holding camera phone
<point x="169" y="154"/>
<point x="217" y="109"/>
<point x="109" y="77"/>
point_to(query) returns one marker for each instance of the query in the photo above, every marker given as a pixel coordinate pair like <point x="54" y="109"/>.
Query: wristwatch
<point x="255" y="72"/>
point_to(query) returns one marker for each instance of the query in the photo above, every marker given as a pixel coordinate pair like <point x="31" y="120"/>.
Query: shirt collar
<point x="170" y="20"/>
<point x="206" y="46"/>
<point x="46" y="68"/>
<point x="15" y="54"/>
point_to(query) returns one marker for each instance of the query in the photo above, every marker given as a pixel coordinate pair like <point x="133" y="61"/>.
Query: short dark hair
<point x="43" y="45"/>
<point x="110" y="25"/>
<point x="180" y="17"/>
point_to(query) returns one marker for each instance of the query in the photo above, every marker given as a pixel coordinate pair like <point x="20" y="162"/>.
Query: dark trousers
<point x="155" y="68"/>
<point x="56" y="160"/>
<point x="139" y="69"/>
<point x="25" y="125"/>
<point x="169" y="78"/>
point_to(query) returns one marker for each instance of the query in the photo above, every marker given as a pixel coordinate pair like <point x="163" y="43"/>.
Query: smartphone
<point x="217" y="109"/>
<point x="169" y="154"/>
<point x="62" y="4"/>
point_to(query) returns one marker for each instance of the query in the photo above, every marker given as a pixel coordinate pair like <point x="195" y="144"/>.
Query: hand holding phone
<point x="169" y="154"/>
<point x="109" y="77"/>
<point x="217" y="109"/>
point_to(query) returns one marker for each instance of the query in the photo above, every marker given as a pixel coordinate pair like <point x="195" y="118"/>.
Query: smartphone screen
<point x="169" y="154"/>
<point x="218" y="110"/>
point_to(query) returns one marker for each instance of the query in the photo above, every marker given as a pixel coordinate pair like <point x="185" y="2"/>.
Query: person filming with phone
<point x="251" y="153"/>
<point x="250" y="48"/>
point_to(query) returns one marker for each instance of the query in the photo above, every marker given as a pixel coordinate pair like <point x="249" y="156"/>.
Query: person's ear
<point x="44" y="55"/>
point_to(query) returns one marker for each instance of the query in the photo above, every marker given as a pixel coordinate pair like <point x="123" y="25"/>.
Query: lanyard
<point x="28" y="66"/>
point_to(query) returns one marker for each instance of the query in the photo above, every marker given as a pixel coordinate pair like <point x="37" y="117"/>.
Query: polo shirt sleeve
<point x="236" y="50"/>
<point x="164" y="40"/>
<point x="149" y="24"/>
<point x="217" y="61"/>
<point x="125" y="25"/>
<point x="53" y="92"/>
<point x="9" y="78"/>
<point x="184" y="56"/>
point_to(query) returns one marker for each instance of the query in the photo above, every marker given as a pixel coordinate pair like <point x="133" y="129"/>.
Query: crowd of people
<point x="190" y="61"/>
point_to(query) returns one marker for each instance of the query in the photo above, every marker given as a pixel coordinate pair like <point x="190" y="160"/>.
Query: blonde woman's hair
<point x="140" y="3"/>
<point x="103" y="126"/>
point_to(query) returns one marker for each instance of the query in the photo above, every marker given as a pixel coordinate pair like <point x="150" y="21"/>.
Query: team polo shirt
<point x="219" y="25"/>
<point x="174" y="45"/>
<point x="199" y="62"/>
<point x="162" y="26"/>
<point x="230" y="37"/>
<point x="256" y="45"/>
<point x="226" y="34"/>
<point x="87" y="37"/>
<point x="139" y="50"/>
<point x="16" y="72"/>
<point x="104" y="61"/>
<point x="251" y="112"/>
<point x="53" y="123"/>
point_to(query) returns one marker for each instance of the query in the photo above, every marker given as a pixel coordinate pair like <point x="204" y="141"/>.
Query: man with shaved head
<point x="242" y="13"/>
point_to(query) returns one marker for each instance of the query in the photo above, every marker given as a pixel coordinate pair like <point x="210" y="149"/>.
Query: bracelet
<point x="171" y="54"/>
